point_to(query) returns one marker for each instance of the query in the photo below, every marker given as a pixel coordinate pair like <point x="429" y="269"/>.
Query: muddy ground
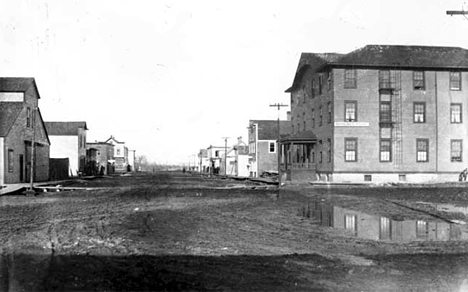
<point x="185" y="232"/>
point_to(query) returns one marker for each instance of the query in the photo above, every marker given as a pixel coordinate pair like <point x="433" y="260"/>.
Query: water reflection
<point x="377" y="227"/>
<point x="450" y="208"/>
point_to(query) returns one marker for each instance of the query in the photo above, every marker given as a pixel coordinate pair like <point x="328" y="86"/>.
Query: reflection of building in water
<point x="382" y="228"/>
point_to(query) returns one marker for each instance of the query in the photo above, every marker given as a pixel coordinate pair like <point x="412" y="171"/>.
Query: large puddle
<point x="362" y="225"/>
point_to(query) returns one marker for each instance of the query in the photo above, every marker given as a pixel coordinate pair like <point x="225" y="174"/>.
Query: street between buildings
<point x="174" y="231"/>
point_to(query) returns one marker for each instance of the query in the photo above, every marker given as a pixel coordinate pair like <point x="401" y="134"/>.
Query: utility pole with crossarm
<point x="278" y="105"/>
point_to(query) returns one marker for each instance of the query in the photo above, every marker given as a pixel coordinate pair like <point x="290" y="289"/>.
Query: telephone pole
<point x="225" y="155"/>
<point x="278" y="105"/>
<point x="31" y="191"/>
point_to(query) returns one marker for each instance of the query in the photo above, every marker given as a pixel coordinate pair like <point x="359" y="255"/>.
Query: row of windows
<point x="385" y="230"/>
<point x="422" y="150"/>
<point x="385" y="112"/>
<point x="313" y="120"/>
<point x="388" y="79"/>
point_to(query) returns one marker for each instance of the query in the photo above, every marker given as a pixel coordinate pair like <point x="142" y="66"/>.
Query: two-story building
<point x="120" y="154"/>
<point x="24" y="143"/>
<point x="379" y="113"/>
<point x="263" y="137"/>
<point x="215" y="155"/>
<point x="68" y="140"/>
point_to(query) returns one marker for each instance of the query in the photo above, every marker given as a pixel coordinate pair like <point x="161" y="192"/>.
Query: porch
<point x="297" y="157"/>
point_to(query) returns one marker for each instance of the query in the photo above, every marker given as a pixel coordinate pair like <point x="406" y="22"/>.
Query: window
<point x="329" y="112"/>
<point x="351" y="222"/>
<point x="456" y="150"/>
<point x="313" y="118"/>
<point x="10" y="160"/>
<point x="385" y="112"/>
<point x="320" y="151"/>
<point x="418" y="80"/>
<point x="320" y="116"/>
<point x="118" y="151"/>
<point x="304" y="122"/>
<point x="419" y="109"/>
<point x="455" y="113"/>
<point x="272" y="147"/>
<point x="385" y="228"/>
<point x="386" y="80"/>
<point x="422" y="150"/>
<point x="99" y="153"/>
<point x="367" y="177"/>
<point x="320" y="84"/>
<point x="422" y="229"/>
<point x="292" y="126"/>
<point x="329" y="156"/>
<point x="385" y="150"/>
<point x="28" y="117"/>
<point x="350" y="78"/>
<point x="329" y="80"/>
<point x="455" y="80"/>
<point x="350" y="111"/>
<point x="350" y="149"/>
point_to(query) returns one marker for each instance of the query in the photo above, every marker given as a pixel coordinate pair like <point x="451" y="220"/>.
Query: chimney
<point x="288" y="115"/>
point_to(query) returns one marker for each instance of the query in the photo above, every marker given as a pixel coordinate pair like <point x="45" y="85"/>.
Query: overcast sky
<point x="172" y="77"/>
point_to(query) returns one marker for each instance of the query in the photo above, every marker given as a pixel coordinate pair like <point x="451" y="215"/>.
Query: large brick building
<point x="21" y="123"/>
<point x="379" y="113"/>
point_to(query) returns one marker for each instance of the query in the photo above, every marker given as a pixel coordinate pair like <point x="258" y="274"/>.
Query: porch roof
<point x="301" y="137"/>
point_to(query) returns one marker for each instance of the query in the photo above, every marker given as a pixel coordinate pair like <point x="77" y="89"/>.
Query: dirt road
<point x="184" y="232"/>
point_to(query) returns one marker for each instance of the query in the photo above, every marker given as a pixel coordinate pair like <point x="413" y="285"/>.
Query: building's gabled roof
<point x="17" y="84"/>
<point x="311" y="60"/>
<point x="9" y="112"/>
<point x="405" y="57"/>
<point x="268" y="129"/>
<point x="64" y="128"/>
<point x="113" y="139"/>
<point x="385" y="56"/>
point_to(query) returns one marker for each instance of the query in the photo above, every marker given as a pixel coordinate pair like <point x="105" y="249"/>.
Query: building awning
<point x="301" y="137"/>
